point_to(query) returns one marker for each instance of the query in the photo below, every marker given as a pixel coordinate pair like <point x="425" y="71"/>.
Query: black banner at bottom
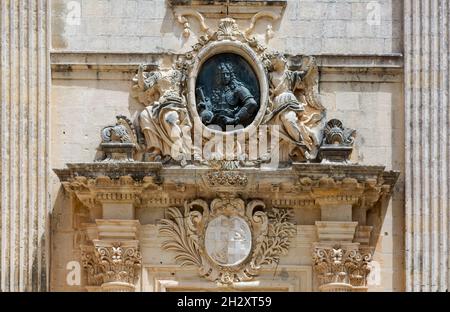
<point x="207" y="301"/>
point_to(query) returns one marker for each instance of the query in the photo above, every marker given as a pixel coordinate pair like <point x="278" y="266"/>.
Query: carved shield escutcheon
<point x="228" y="240"/>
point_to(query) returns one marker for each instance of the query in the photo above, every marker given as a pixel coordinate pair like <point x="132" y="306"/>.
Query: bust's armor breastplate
<point x="228" y="99"/>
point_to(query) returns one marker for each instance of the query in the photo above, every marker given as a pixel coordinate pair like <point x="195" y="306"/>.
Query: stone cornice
<point x="301" y="185"/>
<point x="139" y="170"/>
<point x="136" y="170"/>
<point x="95" y="65"/>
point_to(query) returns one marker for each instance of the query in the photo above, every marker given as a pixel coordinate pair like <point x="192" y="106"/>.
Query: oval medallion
<point x="227" y="92"/>
<point x="228" y="240"/>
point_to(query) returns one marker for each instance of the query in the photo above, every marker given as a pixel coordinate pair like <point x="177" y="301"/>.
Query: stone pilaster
<point x="24" y="89"/>
<point x="426" y="31"/>
<point x="340" y="262"/>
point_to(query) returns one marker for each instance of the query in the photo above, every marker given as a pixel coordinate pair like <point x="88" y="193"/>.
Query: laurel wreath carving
<point x="277" y="241"/>
<point x="271" y="234"/>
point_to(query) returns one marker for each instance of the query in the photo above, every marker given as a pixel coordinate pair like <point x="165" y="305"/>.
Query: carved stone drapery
<point x="114" y="266"/>
<point x="341" y="269"/>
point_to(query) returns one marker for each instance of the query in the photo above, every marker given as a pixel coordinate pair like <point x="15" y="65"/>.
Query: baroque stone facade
<point x="254" y="141"/>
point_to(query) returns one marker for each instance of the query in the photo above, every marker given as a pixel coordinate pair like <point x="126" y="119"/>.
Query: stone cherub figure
<point x="164" y="121"/>
<point x="231" y="103"/>
<point x="294" y="108"/>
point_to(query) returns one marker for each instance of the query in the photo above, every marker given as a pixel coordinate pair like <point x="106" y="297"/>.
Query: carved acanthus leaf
<point x="90" y="263"/>
<point x="339" y="265"/>
<point x="336" y="133"/>
<point x="111" y="262"/>
<point x="122" y="132"/>
<point x="119" y="263"/>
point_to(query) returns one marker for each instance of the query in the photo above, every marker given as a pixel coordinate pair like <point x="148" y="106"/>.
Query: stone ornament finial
<point x="119" y="142"/>
<point x="335" y="133"/>
<point x="337" y="143"/>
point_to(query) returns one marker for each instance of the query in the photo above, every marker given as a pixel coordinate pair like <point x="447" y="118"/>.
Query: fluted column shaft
<point x="426" y="34"/>
<point x="24" y="91"/>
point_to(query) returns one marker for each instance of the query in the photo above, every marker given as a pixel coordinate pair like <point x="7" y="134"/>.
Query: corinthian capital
<point x="113" y="265"/>
<point x="339" y="266"/>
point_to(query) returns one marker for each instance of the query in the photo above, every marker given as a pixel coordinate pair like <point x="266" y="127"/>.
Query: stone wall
<point x="308" y="27"/>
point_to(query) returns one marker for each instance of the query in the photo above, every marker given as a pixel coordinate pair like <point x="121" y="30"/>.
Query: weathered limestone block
<point x="336" y="231"/>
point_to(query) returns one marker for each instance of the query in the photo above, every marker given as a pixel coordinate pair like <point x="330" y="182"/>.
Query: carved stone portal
<point x="228" y="240"/>
<point x="228" y="89"/>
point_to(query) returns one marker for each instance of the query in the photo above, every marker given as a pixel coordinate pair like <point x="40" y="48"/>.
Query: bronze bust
<point x="230" y="102"/>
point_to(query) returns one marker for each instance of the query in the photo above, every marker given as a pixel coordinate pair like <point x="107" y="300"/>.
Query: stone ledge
<point x="89" y="65"/>
<point x="299" y="186"/>
<point x="137" y="170"/>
